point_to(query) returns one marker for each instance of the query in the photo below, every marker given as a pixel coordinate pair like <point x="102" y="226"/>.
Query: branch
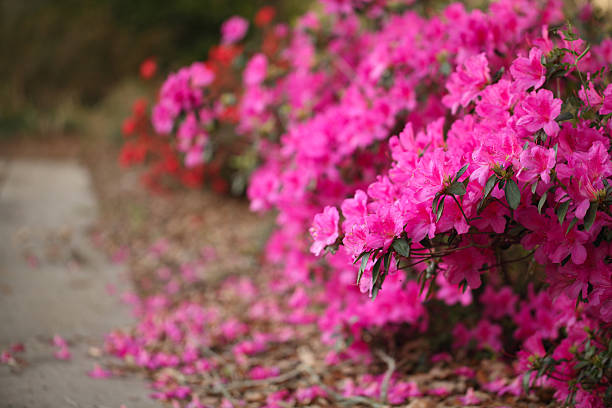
<point x="384" y="388"/>
<point x="266" y="381"/>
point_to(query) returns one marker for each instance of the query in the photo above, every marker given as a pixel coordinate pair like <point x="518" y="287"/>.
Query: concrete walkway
<point x="53" y="281"/>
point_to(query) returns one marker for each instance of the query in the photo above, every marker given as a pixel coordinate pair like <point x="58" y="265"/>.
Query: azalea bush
<point x="194" y="159"/>
<point x="428" y="165"/>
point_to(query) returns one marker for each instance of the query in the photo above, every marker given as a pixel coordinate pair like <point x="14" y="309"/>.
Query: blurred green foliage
<point x="54" y="50"/>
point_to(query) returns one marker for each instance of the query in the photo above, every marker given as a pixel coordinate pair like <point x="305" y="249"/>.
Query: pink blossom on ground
<point x="99" y="372"/>
<point x="63" y="354"/>
<point x="260" y="373"/>
<point x="470" y="398"/>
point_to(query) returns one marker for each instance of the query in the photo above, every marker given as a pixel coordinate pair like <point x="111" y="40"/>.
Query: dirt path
<point x="54" y="281"/>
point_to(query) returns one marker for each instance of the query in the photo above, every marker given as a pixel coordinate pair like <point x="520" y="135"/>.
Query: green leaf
<point x="589" y="217"/>
<point x="566" y="260"/>
<point x="571" y="225"/>
<point x="526" y="380"/>
<point x="361" y="255"/>
<point x="402" y="247"/>
<point x="581" y="56"/>
<point x="563" y="116"/>
<point x="375" y="290"/>
<point x="490" y="185"/>
<point x="387" y="262"/>
<point x="456" y="189"/>
<point x="440" y="209"/>
<point x="434" y="204"/>
<point x="513" y="194"/>
<point x="364" y="263"/>
<point x="461" y="172"/>
<point x="534" y="186"/>
<point x="376" y="270"/>
<point x="562" y="211"/>
<point x="541" y="202"/>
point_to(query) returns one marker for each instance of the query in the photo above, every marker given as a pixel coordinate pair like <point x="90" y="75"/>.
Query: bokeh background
<point x="71" y="66"/>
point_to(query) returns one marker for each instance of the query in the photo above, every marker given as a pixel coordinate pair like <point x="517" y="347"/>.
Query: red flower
<point x="148" y="68"/>
<point x="128" y="126"/>
<point x="132" y="153"/>
<point x="224" y="54"/>
<point x="139" y="108"/>
<point x="264" y="16"/>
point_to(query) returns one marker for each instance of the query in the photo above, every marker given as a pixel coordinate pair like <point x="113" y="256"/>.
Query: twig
<point x="384" y="388"/>
<point x="266" y="381"/>
<point x="509" y="261"/>
<point x="219" y="387"/>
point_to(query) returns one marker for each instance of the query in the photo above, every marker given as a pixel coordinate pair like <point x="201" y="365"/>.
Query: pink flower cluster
<point x="426" y="155"/>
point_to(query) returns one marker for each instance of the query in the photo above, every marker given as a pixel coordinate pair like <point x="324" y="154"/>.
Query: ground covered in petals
<point x="215" y="328"/>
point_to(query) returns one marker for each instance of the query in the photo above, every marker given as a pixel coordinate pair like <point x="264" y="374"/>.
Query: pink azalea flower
<point x="201" y="75"/>
<point x="467" y="81"/>
<point x="233" y="30"/>
<point x="539" y="111"/>
<point x="590" y="97"/>
<point x="324" y="229"/>
<point x="537" y="161"/>
<point x="607" y="101"/>
<point x="529" y="72"/>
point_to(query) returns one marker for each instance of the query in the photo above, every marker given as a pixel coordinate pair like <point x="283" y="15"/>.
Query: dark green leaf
<point x="589" y="217"/>
<point x="566" y="260"/>
<point x="497" y="76"/>
<point x="387" y="262"/>
<point x="440" y="209"/>
<point x="376" y="270"/>
<point x="375" y="290"/>
<point x="562" y="211"/>
<point x="534" y="186"/>
<point x="456" y="189"/>
<point x="361" y="255"/>
<point x="434" y="204"/>
<point x="461" y="172"/>
<point x="513" y="194"/>
<point x="563" y="116"/>
<point x="364" y="263"/>
<point x="541" y="202"/>
<point x="571" y="225"/>
<point x="402" y="247"/>
<point x="526" y="380"/>
<point x="490" y="185"/>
